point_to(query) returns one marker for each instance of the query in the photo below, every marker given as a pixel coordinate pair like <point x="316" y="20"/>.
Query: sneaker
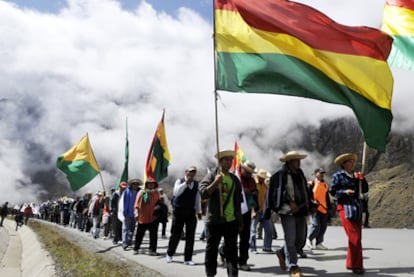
<point x="281" y="257"/>
<point x="152" y="253"/>
<point x="309" y="244"/>
<point x="295" y="272"/>
<point x="245" y="267"/>
<point x="320" y="246"/>
<point x="168" y="259"/>
<point x="189" y="263"/>
<point x="267" y="250"/>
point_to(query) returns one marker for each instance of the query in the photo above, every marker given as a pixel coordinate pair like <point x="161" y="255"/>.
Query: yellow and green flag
<point x="398" y="21"/>
<point x="79" y="164"/>
<point x="158" y="158"/>
<point x="283" y="47"/>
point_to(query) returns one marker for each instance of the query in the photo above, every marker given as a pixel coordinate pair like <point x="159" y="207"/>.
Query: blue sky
<point x="203" y="7"/>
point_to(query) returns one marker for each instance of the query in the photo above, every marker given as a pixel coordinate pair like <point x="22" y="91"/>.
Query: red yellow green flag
<point x="158" y="158"/>
<point x="79" y="164"/>
<point x="240" y="157"/>
<point x="398" y="21"/>
<point x="283" y="47"/>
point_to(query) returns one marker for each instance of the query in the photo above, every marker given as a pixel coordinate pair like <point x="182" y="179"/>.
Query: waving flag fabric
<point x="158" y="158"/>
<point x="79" y="164"/>
<point x="398" y="21"/>
<point x="240" y="157"/>
<point x="282" y="47"/>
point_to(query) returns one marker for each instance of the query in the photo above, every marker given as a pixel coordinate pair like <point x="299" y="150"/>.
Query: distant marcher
<point x="145" y="208"/>
<point x="106" y="217"/>
<point x="258" y="215"/>
<point x="345" y="188"/>
<point x="289" y="196"/>
<point x="319" y="218"/>
<point x="128" y="211"/>
<point x="3" y="212"/>
<point x="186" y="204"/>
<point x="164" y="213"/>
<point x="116" y="223"/>
<point x="94" y="213"/>
<point x="27" y="213"/>
<point x="223" y="213"/>
<point x="18" y="217"/>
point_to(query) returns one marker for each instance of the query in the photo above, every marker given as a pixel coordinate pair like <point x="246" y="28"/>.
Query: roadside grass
<point x="72" y="260"/>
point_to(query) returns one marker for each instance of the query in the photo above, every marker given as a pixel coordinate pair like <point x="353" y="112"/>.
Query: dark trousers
<point x="153" y="235"/>
<point x="229" y="231"/>
<point x="244" y="244"/>
<point x="181" y="217"/>
<point x="116" y="227"/>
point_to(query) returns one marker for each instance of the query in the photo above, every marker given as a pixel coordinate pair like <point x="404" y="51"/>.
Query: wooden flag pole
<point x="215" y="106"/>
<point x="364" y="155"/>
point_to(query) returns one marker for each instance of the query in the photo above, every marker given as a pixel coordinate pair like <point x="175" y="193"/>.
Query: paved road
<point x="387" y="252"/>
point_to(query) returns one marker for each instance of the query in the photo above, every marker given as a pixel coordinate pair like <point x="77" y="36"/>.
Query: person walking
<point x="223" y="191"/>
<point x="127" y="211"/>
<point x="145" y="207"/>
<point x="347" y="187"/>
<point x="164" y="213"/>
<point x="319" y="219"/>
<point x="258" y="215"/>
<point x="3" y="212"/>
<point x="116" y="223"/>
<point x="95" y="213"/>
<point x="289" y="196"/>
<point x="186" y="204"/>
<point x="249" y="192"/>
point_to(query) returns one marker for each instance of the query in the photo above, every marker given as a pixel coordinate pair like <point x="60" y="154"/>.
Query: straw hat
<point x="225" y="153"/>
<point x="262" y="174"/>
<point x="249" y="166"/>
<point x="345" y="157"/>
<point x="135" y="181"/>
<point x="292" y="155"/>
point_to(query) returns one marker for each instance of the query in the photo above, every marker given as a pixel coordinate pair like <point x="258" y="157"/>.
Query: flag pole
<point x="215" y="104"/>
<point x="100" y="175"/>
<point x="364" y="155"/>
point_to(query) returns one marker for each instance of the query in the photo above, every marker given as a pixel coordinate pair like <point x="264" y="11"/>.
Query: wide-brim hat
<point x="191" y="168"/>
<point x="345" y="157"/>
<point x="292" y="155"/>
<point x="225" y="153"/>
<point x="262" y="174"/>
<point x="135" y="181"/>
<point x="249" y="166"/>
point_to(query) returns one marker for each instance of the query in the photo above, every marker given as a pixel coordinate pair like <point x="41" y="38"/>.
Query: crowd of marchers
<point x="239" y="205"/>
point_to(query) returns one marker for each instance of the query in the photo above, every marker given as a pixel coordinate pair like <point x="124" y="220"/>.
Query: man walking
<point x="186" y="203"/>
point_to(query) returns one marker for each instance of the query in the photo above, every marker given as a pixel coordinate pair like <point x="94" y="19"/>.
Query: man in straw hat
<point x="289" y="196"/>
<point x="346" y="187"/>
<point x="223" y="218"/>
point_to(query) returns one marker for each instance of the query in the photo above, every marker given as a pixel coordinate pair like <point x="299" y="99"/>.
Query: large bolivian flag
<point x="79" y="164"/>
<point x="282" y="47"/>
<point x="398" y="21"/>
<point x="158" y="158"/>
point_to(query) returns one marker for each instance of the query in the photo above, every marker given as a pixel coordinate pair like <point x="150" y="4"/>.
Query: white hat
<point x="292" y="155"/>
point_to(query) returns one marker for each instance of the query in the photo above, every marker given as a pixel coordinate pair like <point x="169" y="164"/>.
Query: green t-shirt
<point x="227" y="197"/>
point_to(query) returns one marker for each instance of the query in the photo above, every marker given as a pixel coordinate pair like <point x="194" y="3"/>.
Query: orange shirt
<point x="146" y="210"/>
<point x="320" y="189"/>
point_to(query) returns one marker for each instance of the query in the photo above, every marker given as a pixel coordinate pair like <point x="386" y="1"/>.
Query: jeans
<point x="128" y="228"/>
<point x="267" y="226"/>
<point x="294" y="228"/>
<point x="317" y="229"/>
